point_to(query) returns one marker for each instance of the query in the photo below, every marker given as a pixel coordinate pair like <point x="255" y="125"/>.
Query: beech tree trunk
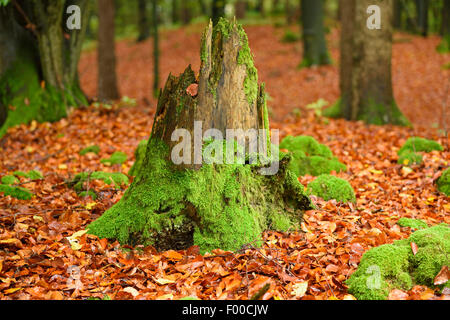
<point x="218" y="10"/>
<point x="155" y="34"/>
<point x="213" y="205"/>
<point x="315" y="50"/>
<point x="38" y="62"/>
<point x="444" y="46"/>
<point x="422" y="16"/>
<point x="107" y="77"/>
<point x="143" y="25"/>
<point x="365" y="68"/>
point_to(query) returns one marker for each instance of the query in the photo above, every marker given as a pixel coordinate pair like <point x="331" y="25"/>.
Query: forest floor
<point x="43" y="254"/>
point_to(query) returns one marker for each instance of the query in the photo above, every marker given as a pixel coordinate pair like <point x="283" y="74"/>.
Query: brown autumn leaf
<point x="414" y="248"/>
<point x="442" y="277"/>
<point x="192" y="90"/>
<point x="398" y="294"/>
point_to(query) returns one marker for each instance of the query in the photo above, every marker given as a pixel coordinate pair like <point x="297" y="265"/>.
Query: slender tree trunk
<point x="213" y="205"/>
<point x="175" y="12"/>
<point x="397" y="14"/>
<point x="240" y="9"/>
<point x="365" y="69"/>
<point x="107" y="78"/>
<point x="444" y="46"/>
<point x="422" y="16"/>
<point x="218" y="10"/>
<point x="186" y="14"/>
<point x="314" y="43"/>
<point x="155" y="34"/>
<point x="143" y="25"/>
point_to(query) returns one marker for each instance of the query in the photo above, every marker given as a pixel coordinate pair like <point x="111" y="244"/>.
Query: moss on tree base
<point x="392" y="266"/>
<point x="217" y="206"/>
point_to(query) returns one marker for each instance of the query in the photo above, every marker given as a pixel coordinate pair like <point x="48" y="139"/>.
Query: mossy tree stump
<point x="212" y="205"/>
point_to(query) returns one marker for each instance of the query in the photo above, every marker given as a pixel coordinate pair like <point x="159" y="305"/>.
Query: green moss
<point x="116" y="178"/>
<point x="412" y="223"/>
<point x="9" y="180"/>
<point x="217" y="206"/>
<point x="91" y="149"/>
<point x="290" y="37"/>
<point x="416" y="144"/>
<point x="370" y="112"/>
<point x="16" y="192"/>
<point x="221" y="32"/>
<point x="26" y="100"/>
<point x="330" y="187"/>
<point x="310" y="157"/>
<point x="409" y="157"/>
<point x="116" y="158"/>
<point x="139" y="155"/>
<point x="391" y="266"/>
<point x="443" y="183"/>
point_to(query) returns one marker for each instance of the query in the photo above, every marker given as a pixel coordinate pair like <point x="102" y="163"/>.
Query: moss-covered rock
<point x="139" y="155"/>
<point x="417" y="144"/>
<point x="443" y="183"/>
<point x="412" y="223"/>
<point x="217" y="206"/>
<point x="391" y="266"/>
<point x="330" y="187"/>
<point x="409" y="157"/>
<point x="310" y="157"/>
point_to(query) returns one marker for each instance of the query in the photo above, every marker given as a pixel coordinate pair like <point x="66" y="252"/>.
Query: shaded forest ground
<point x="38" y="260"/>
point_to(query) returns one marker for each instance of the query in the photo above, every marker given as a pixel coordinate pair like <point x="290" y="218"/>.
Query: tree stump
<point x="202" y="201"/>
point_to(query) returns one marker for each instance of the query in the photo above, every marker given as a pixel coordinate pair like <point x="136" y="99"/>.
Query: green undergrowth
<point x="409" y="152"/>
<point x="91" y="149"/>
<point x="329" y="187"/>
<point x="392" y="266"/>
<point x="80" y="183"/>
<point x="412" y="223"/>
<point x="217" y="206"/>
<point x="310" y="157"/>
<point x="116" y="158"/>
<point x="443" y="183"/>
<point x="10" y="184"/>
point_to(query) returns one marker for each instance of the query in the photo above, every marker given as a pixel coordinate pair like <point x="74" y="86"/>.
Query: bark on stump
<point x="212" y="205"/>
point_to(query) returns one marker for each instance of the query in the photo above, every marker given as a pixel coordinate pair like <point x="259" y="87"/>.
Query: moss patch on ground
<point x="217" y="206"/>
<point x="391" y="266"/>
<point x="443" y="183"/>
<point x="310" y="157"/>
<point x="409" y="152"/>
<point x="412" y="223"/>
<point x="330" y="187"/>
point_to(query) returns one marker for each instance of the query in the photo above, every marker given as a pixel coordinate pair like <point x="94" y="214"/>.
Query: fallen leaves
<point x="442" y="277"/>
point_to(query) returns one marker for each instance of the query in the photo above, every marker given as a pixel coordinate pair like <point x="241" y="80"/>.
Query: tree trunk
<point x="107" y="78"/>
<point x="173" y="205"/>
<point x="186" y="14"/>
<point x="365" y="68"/>
<point x="155" y="48"/>
<point x="38" y="67"/>
<point x="143" y="26"/>
<point x="175" y="12"/>
<point x="291" y="12"/>
<point x="315" y="50"/>
<point x="422" y="16"/>
<point x="240" y="9"/>
<point x="218" y="10"/>
<point x="397" y="14"/>
<point x="444" y="46"/>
